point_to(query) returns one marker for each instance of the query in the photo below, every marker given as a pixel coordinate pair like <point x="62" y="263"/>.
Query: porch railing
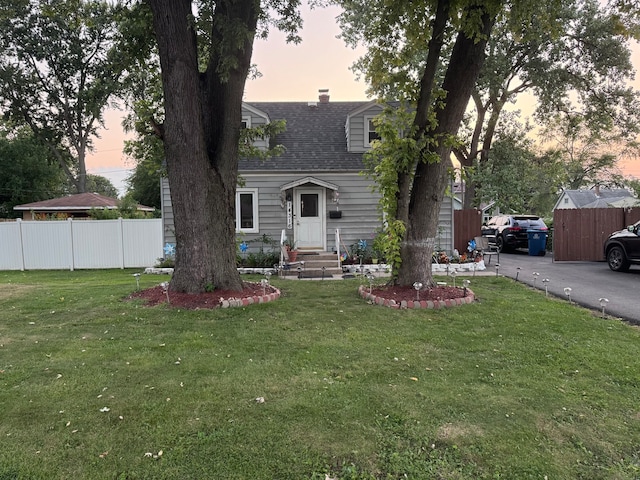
<point x="338" y="243"/>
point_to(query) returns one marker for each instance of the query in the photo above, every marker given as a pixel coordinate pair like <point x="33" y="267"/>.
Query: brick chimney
<point x="597" y="189"/>
<point x="323" y="95"/>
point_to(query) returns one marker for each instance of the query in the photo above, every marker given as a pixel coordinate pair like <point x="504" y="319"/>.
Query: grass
<point x="516" y="386"/>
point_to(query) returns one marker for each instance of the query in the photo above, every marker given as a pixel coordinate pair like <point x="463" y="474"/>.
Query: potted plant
<point x="291" y="250"/>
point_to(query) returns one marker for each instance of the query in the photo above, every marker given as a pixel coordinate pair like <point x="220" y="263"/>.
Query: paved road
<point x="589" y="281"/>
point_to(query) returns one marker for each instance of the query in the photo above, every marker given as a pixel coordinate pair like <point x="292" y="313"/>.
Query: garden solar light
<point x="268" y="275"/>
<point x="603" y="304"/>
<point x="497" y="269"/>
<point x="264" y="283"/>
<point x="137" y="277"/>
<point x="453" y="275"/>
<point x="567" y="292"/>
<point x="465" y="284"/>
<point x="370" y="277"/>
<point x="165" y="287"/>
<point x="518" y="272"/>
<point x="535" y="278"/>
<point x="546" y="281"/>
<point x="417" y="286"/>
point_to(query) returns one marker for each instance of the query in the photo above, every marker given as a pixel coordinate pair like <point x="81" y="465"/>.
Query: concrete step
<point x="319" y="274"/>
<point x="315" y="261"/>
<point x="316" y="265"/>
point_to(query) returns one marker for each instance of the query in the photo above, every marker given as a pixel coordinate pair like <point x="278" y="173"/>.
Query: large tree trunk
<point x="201" y="135"/>
<point x="431" y="178"/>
<point x="405" y="177"/>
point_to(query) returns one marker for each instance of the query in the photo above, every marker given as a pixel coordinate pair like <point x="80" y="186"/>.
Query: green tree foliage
<point x="515" y="177"/>
<point x="580" y="67"/>
<point x="27" y="174"/>
<point x="146" y="120"/>
<point x="428" y="55"/>
<point x="523" y="176"/>
<point x="634" y="186"/>
<point x="588" y="157"/>
<point x="395" y="153"/>
<point x="60" y="65"/>
<point x="556" y="49"/>
<point x="144" y="181"/>
<point x="101" y="185"/>
<point x="127" y="208"/>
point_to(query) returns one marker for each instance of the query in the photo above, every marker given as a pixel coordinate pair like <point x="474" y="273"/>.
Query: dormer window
<point x="370" y="133"/>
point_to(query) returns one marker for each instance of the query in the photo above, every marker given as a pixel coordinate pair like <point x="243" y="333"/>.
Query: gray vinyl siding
<point x="358" y="204"/>
<point x="167" y="212"/>
<point x="444" y="237"/>
<point x="355" y="129"/>
<point x="360" y="218"/>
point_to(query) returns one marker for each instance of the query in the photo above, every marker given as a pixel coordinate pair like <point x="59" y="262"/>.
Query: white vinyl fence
<point x="80" y="244"/>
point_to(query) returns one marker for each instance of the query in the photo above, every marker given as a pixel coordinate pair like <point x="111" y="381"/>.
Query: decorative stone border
<point x="243" y="302"/>
<point x="363" y="291"/>
<point x="241" y="270"/>
<point x="366" y="267"/>
<point x="380" y="268"/>
<point x="158" y="271"/>
<point x="469" y="267"/>
<point x="257" y="270"/>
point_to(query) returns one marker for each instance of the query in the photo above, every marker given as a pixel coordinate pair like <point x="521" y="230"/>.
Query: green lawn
<point x="515" y="386"/>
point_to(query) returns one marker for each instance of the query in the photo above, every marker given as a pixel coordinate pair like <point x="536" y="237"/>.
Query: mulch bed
<point x="407" y="297"/>
<point x="400" y="297"/>
<point x="251" y="293"/>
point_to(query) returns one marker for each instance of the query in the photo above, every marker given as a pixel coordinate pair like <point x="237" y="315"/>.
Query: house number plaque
<point x="289" y="214"/>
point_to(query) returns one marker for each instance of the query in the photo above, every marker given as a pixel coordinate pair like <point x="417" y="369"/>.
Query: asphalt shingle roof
<point x="80" y="201"/>
<point x="314" y="137"/>
<point x="583" y="198"/>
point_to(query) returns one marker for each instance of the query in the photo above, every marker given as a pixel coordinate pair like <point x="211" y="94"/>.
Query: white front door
<point x="309" y="223"/>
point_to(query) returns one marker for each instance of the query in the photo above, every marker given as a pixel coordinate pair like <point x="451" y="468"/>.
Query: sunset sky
<point x="289" y="73"/>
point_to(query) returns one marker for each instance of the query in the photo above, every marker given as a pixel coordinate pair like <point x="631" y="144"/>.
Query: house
<point x="595" y="197"/>
<point x="70" y="206"/>
<point x="315" y="187"/>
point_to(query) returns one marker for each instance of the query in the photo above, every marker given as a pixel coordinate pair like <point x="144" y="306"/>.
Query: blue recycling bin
<point x="537" y="242"/>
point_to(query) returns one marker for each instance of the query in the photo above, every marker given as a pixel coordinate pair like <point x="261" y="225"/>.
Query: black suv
<point x="622" y="248"/>
<point x="510" y="231"/>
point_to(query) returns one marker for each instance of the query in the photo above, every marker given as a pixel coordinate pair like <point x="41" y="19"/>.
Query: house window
<point x="247" y="210"/>
<point x="370" y="133"/>
<point x="246" y="122"/>
<point x="566" y="201"/>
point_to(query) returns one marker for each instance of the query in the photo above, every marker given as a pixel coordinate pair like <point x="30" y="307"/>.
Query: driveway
<point x="589" y="281"/>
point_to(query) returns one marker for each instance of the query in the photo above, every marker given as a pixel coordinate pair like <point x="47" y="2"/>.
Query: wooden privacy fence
<point x="579" y="234"/>
<point x="55" y="245"/>
<point x="467" y="224"/>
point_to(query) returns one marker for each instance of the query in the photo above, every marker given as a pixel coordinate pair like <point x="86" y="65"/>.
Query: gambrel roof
<point x="314" y="138"/>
